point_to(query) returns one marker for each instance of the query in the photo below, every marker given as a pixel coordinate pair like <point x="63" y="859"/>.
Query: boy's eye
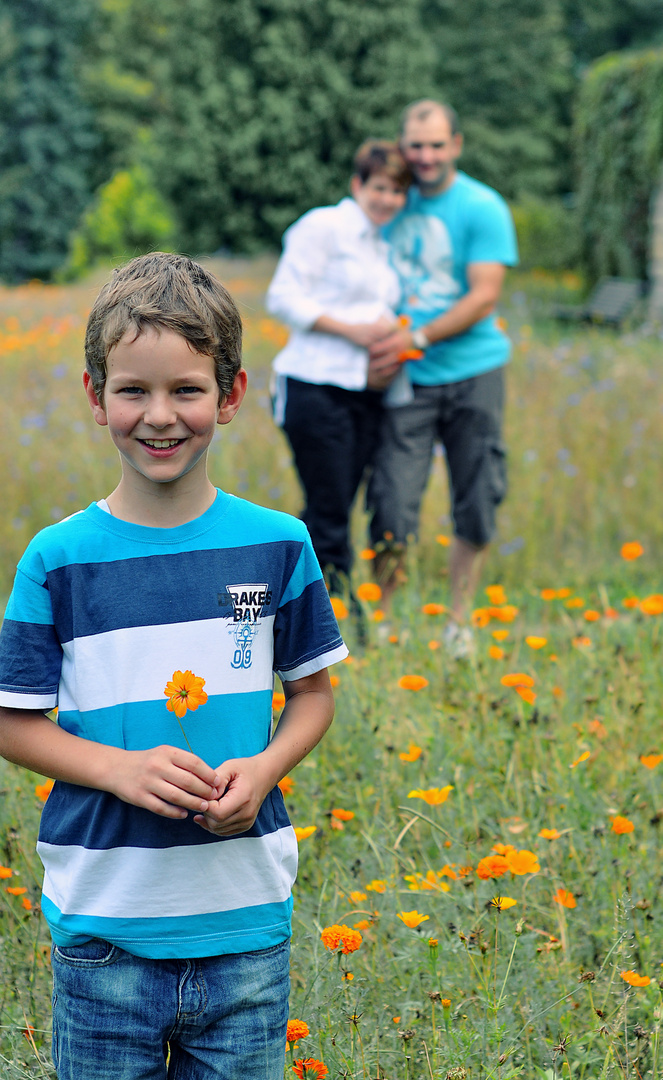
<point x="130" y="390"/>
<point x="189" y="390"/>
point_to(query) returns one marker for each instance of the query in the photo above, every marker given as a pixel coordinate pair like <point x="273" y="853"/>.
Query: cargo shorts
<point x="466" y="417"/>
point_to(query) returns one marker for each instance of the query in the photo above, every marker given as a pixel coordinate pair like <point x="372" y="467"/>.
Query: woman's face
<point x="380" y="197"/>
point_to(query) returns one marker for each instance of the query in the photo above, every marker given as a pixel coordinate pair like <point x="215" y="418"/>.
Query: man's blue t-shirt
<point x="432" y="243"/>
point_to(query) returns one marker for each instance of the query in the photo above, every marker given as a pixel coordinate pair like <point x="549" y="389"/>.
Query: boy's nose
<point x="160" y="413"/>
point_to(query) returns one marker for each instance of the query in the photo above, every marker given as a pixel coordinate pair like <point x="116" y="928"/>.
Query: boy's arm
<point x="245" y="782"/>
<point x="166" y="780"/>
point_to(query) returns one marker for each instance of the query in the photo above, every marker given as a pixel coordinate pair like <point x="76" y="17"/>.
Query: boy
<point x="167" y="870"/>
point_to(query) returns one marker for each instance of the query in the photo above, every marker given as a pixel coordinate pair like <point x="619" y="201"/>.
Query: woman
<point x="335" y="288"/>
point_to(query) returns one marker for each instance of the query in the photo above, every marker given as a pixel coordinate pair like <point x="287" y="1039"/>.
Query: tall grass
<point x="533" y="989"/>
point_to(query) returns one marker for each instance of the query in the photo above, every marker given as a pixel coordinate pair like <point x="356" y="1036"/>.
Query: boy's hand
<point x="244" y="786"/>
<point x="166" y="780"/>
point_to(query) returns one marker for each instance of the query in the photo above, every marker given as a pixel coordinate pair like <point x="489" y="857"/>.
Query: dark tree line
<point x="246" y="112"/>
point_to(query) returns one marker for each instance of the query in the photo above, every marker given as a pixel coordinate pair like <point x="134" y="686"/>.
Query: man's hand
<point x="243" y="785"/>
<point x="389" y="349"/>
<point x="166" y="780"/>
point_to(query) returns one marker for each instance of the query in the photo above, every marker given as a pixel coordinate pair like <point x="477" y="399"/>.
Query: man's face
<point x="431" y="151"/>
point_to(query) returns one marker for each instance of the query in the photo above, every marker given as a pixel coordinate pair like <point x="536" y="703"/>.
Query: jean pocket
<point x="496" y="454"/>
<point x="92" y="954"/>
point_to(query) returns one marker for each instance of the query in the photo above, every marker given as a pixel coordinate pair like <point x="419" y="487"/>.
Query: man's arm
<point x="485" y="281"/>
<point x="245" y="782"/>
<point x="166" y="780"/>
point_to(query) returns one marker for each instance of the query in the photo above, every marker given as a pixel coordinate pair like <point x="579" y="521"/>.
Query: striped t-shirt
<point x="103" y="612"/>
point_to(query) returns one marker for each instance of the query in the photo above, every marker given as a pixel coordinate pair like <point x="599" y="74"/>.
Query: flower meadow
<point x="480" y="883"/>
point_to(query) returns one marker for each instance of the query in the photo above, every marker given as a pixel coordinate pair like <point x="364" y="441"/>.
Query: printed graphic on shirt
<point x="248" y="602"/>
<point x="422" y="254"/>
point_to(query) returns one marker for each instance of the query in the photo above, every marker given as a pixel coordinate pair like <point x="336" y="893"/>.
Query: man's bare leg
<point x="465" y="565"/>
<point x="389" y="573"/>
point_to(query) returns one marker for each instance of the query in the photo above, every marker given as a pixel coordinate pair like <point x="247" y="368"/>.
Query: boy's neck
<point x="162" y="506"/>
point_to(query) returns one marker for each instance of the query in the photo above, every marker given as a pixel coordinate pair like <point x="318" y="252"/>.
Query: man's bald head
<point x="422" y="110"/>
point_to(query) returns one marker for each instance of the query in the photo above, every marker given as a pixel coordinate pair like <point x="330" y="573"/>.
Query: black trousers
<point x="333" y="434"/>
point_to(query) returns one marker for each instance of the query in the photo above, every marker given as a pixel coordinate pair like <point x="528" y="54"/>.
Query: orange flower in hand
<point x="185" y="691"/>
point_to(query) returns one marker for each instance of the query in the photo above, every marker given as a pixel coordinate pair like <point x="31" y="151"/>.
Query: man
<point x="451" y="246"/>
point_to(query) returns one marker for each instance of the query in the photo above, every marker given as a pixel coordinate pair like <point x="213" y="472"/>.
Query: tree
<point x="45" y="134"/>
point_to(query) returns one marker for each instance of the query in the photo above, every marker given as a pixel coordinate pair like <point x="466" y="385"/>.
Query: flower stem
<point x="183" y="732"/>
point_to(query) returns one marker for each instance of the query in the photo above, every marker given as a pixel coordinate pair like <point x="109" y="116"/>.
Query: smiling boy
<point x="167" y="870"/>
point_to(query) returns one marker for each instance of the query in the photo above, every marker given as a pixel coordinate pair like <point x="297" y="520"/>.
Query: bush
<point x="128" y="217"/>
<point x="548" y="236"/>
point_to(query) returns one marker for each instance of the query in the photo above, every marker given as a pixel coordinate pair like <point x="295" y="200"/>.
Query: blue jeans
<point x="122" y="1017"/>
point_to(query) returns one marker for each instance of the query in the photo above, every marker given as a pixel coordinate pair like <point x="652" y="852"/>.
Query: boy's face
<point x="161" y="404"/>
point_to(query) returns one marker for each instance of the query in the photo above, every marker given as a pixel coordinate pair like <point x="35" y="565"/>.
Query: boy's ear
<point x="98" y="410"/>
<point x="231" y="404"/>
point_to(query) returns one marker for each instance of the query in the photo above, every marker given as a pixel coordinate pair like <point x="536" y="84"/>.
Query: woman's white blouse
<point x="334" y="263"/>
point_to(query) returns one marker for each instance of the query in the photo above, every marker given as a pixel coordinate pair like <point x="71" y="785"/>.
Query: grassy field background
<point x="545" y="779"/>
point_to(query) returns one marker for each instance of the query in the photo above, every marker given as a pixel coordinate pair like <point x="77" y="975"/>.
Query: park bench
<point x="610" y="301"/>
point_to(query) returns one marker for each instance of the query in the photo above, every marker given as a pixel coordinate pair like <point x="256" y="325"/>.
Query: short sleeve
<point x="30" y="652"/>
<point x="306" y="634"/>
<point x="492" y="235"/>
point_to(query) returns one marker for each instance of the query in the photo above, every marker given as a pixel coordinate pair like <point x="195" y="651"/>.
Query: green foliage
<point x="619" y="149"/>
<point x="45" y="134"/>
<point x="128" y="217"/>
<point x="505" y="67"/>
<point x="547" y="234"/>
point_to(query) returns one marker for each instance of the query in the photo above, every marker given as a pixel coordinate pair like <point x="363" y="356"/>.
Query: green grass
<point x="583" y="426"/>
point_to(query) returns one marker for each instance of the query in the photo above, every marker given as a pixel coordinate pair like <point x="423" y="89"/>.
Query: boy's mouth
<point x="161" y="444"/>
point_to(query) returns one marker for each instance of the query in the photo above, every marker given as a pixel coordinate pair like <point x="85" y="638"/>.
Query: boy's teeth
<point x="159" y="444"/>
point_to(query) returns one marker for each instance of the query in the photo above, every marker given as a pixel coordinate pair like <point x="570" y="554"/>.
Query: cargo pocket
<point x="496" y="465"/>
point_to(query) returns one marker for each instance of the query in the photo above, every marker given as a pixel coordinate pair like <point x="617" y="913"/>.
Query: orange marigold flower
<point x="503" y="849"/>
<point x="363" y="924"/>
<point x="309" y="1069"/>
<point x="335" y="824"/>
<point x="378" y="615"/>
<point x="517" y="678"/>
<point x="495" y="594"/>
<point x="522" y="862"/>
<point x="348" y="976"/>
<point x="650" y="761"/>
<point x="334" y="681"/>
<point x="42" y="791"/>
<point x="583" y="757"/>
<point x="597" y="728"/>
<point x="433" y="645"/>
<point x="480" y="617"/>
<point x="495" y="653"/>
<point x="412" y="919"/>
<point x="393" y="639"/>
<point x="184" y="691"/>
<point x="565" y="898"/>
<point x="412" y="682"/>
<point x="5" y="872"/>
<point x="563" y="593"/>
<point x="500" y="635"/>
<point x="367" y="554"/>
<point x="445" y="1003"/>
<point x="443" y="540"/>
<point x="342" y="815"/>
<point x="630" y="602"/>
<point x="611" y="613"/>
<point x="413" y="753"/>
<point x="582" y="642"/>
<point x="557" y="692"/>
<point x="550" y="834"/>
<point x="506" y="613"/>
<point x="286" y="785"/>
<point x="536" y="642"/>
<point x="548" y="594"/>
<point x="278" y="700"/>
<point x="16" y="890"/>
<point x="297" y="1029"/>
<point x="26" y="903"/>
<point x="376" y="885"/>
<point x="305" y="832"/>
<point x="433" y="796"/>
<point x="631" y="550"/>
<point x="356" y="896"/>
<point x="621" y="825"/>
<point x="369" y="591"/>
<point x="338" y="607"/>
<point x="433" y="609"/>
<point x="591" y="616"/>
<point x="633" y="979"/>
<point x="526" y="694"/>
<point x="575" y="602"/>
<point x="493" y="866"/>
<point x="340" y="935"/>
<point x="652" y="605"/>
